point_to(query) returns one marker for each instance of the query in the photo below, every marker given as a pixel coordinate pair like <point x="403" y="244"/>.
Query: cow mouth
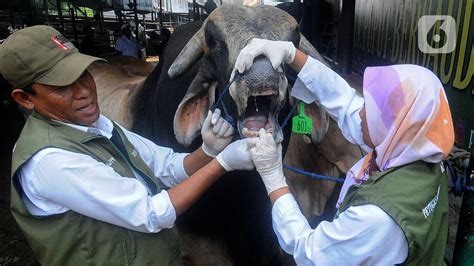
<point x="260" y="112"/>
<point x="259" y="94"/>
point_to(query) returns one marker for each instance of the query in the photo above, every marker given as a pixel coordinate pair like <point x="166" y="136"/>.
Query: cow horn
<point x="189" y="55"/>
<point x="308" y="49"/>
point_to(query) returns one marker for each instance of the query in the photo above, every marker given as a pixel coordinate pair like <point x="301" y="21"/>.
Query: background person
<point x="127" y="44"/>
<point x="393" y="206"/>
<point x="84" y="189"/>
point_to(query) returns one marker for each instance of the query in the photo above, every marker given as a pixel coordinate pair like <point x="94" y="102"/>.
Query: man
<point x="84" y="189"/>
<point x="127" y="44"/>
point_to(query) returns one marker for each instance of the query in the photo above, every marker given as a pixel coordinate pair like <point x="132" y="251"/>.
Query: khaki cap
<point x="41" y="54"/>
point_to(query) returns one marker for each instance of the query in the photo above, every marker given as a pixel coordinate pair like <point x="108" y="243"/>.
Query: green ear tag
<point x="302" y="124"/>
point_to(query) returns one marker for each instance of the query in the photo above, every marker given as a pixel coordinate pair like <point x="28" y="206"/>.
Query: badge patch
<point x="62" y="42"/>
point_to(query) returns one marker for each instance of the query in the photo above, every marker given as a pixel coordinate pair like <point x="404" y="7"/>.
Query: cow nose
<point x="260" y="71"/>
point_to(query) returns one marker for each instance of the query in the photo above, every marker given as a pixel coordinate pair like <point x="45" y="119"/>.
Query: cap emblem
<point x="62" y="42"/>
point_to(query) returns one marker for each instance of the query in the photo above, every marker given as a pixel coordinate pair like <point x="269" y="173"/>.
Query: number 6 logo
<point x="436" y="34"/>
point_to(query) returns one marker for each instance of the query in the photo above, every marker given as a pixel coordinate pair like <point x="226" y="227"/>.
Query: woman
<point x="393" y="206"/>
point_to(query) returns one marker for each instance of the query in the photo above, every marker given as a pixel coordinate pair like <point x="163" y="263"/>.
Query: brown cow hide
<point x="117" y="82"/>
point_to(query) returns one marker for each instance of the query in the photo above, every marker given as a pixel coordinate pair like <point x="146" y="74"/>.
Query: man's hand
<point x="267" y="157"/>
<point x="236" y="156"/>
<point x="216" y="134"/>
<point x="278" y="52"/>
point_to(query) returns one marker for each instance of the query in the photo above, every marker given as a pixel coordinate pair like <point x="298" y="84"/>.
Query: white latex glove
<point x="278" y="52"/>
<point x="236" y="156"/>
<point x="267" y="157"/>
<point x="216" y="133"/>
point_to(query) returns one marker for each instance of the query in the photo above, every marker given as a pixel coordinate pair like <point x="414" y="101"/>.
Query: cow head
<point x="257" y="95"/>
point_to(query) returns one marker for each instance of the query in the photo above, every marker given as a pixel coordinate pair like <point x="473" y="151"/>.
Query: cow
<point x="231" y="224"/>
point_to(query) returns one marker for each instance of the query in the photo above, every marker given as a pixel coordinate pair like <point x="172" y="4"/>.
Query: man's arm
<point x="195" y="160"/>
<point x="182" y="196"/>
<point x="93" y="189"/>
<point x="51" y="186"/>
<point x="172" y="168"/>
<point x="235" y="156"/>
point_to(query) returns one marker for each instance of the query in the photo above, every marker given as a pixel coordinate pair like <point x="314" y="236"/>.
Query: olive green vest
<point x="416" y="197"/>
<point x="74" y="239"/>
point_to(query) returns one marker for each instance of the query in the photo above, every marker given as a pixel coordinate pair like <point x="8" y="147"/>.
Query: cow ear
<point x="192" y="110"/>
<point x="320" y="121"/>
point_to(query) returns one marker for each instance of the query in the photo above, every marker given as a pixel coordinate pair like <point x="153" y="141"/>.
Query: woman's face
<point x="365" y="129"/>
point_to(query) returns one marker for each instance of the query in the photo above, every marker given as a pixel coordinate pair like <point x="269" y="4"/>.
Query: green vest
<point x="74" y="239"/>
<point x="416" y="197"/>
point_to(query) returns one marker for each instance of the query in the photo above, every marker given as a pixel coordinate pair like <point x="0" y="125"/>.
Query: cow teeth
<point x="265" y="93"/>
<point x="249" y="133"/>
<point x="255" y="133"/>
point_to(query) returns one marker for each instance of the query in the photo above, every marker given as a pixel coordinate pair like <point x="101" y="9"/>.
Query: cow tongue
<point x="255" y="123"/>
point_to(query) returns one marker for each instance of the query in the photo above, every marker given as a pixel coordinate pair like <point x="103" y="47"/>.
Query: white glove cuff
<point x="292" y="53"/>
<point x="208" y="151"/>
<point x="273" y="183"/>
<point x="223" y="163"/>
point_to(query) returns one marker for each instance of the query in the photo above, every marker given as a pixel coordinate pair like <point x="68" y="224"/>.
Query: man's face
<point x="75" y="103"/>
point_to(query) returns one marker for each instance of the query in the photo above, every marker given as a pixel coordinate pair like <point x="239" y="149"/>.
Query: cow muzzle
<point x="259" y="94"/>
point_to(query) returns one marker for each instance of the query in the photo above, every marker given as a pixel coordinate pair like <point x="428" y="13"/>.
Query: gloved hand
<point x="267" y="157"/>
<point x="216" y="133"/>
<point x="236" y="156"/>
<point x="278" y="52"/>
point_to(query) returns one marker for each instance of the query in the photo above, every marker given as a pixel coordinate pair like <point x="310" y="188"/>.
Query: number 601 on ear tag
<point x="302" y="124"/>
